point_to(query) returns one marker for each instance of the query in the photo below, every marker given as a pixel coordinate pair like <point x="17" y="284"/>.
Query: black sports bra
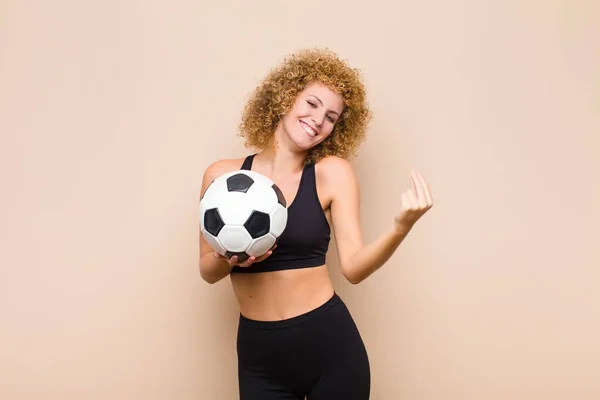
<point x="305" y="240"/>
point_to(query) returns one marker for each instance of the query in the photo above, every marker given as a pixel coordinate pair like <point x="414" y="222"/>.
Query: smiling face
<point x="312" y="116"/>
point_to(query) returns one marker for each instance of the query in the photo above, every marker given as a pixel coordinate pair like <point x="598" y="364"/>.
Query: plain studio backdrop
<point x="110" y="112"/>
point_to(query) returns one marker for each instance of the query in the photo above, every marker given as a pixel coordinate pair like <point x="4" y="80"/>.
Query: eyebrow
<point x="319" y="100"/>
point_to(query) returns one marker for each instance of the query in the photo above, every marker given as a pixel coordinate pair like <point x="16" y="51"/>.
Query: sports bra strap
<point x="247" y="165"/>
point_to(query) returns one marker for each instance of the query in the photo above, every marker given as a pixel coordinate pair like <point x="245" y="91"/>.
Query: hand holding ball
<point x="242" y="213"/>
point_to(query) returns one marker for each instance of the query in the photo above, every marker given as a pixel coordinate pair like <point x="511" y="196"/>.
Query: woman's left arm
<point x="357" y="259"/>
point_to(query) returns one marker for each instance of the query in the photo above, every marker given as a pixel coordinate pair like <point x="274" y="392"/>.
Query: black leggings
<point x="319" y="355"/>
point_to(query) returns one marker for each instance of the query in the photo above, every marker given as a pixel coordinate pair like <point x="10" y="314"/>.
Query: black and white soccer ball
<point x="242" y="213"/>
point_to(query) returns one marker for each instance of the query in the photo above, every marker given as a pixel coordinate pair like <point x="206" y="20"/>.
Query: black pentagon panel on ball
<point x="280" y="196"/>
<point x="258" y="224"/>
<point x="241" y="256"/>
<point x="239" y="183"/>
<point x="213" y="222"/>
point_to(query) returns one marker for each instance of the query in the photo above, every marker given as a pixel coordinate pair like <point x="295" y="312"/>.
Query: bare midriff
<point x="279" y="295"/>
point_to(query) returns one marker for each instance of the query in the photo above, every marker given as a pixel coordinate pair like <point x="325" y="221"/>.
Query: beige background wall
<point x="110" y="111"/>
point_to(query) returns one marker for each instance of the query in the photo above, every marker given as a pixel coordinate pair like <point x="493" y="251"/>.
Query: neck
<point x="280" y="158"/>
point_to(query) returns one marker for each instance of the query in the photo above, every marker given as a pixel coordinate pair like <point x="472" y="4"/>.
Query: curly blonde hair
<point x="276" y="94"/>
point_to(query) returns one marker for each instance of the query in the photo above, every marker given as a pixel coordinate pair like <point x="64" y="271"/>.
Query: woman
<point x="296" y="338"/>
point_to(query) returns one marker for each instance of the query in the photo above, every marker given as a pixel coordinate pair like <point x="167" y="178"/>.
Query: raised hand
<point x="416" y="201"/>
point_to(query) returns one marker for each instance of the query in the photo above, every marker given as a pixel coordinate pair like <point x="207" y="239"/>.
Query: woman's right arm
<point x="213" y="267"/>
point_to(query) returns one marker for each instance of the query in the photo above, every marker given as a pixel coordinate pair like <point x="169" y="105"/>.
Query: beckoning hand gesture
<point x="416" y="201"/>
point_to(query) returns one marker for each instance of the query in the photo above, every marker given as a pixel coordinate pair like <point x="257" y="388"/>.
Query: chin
<point x="304" y="142"/>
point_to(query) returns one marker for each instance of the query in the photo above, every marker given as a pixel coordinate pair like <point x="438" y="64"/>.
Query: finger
<point x="248" y="262"/>
<point x="414" y="202"/>
<point x="426" y="188"/>
<point x="406" y="201"/>
<point x="419" y="191"/>
<point x="412" y="181"/>
<point x="263" y="256"/>
<point x="267" y="254"/>
<point x="233" y="261"/>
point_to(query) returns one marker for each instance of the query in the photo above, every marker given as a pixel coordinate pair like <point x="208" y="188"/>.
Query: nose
<point x="318" y="118"/>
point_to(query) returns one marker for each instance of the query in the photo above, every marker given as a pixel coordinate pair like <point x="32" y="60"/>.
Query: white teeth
<point x="308" y="129"/>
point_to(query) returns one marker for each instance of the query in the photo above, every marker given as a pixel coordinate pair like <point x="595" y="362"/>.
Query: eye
<point x="331" y="119"/>
<point x="313" y="105"/>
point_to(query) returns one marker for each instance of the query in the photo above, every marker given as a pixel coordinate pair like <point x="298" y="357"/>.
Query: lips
<point x="310" y="131"/>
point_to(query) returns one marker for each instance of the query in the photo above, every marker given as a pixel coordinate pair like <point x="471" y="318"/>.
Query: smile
<point x="308" y="129"/>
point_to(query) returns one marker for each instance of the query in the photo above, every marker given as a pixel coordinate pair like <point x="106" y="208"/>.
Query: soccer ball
<point x="242" y="213"/>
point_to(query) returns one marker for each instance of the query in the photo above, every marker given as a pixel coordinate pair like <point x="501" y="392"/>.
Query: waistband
<point x="284" y="323"/>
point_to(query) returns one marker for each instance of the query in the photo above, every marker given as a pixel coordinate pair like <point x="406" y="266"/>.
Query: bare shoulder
<point x="332" y="169"/>
<point x="218" y="168"/>
<point x="335" y="177"/>
<point x="223" y="166"/>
